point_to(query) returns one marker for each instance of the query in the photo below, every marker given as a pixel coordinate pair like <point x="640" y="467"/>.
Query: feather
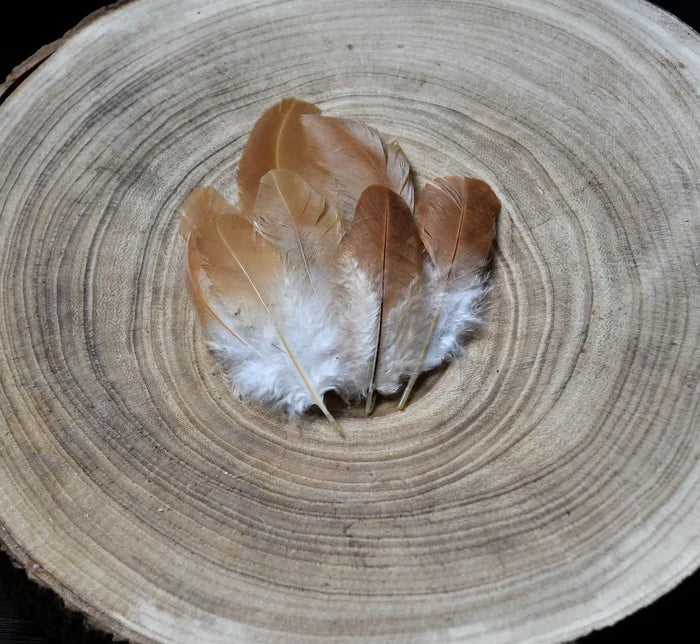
<point x="316" y="281"/>
<point x="272" y="144"/>
<point x="456" y="221"/>
<point x="290" y="214"/>
<point x="385" y="246"/>
<point x="249" y="276"/>
<point x="340" y="158"/>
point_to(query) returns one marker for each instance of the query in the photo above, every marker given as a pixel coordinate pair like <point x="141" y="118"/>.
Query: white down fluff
<point x="331" y="334"/>
<point x="264" y="372"/>
<point x="459" y="309"/>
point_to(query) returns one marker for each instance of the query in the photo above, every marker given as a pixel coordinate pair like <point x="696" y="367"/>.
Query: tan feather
<point x="272" y="143"/>
<point x="456" y="221"/>
<point x="241" y="265"/>
<point x="342" y="157"/>
<point x="385" y="245"/>
<point x="290" y="214"/>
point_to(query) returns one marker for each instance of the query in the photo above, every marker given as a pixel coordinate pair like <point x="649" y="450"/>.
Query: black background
<point x="30" y="615"/>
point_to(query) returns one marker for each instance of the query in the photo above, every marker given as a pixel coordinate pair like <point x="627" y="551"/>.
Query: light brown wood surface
<point x="545" y="484"/>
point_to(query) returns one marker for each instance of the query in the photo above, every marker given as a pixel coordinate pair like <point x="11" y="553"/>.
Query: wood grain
<point x="545" y="484"/>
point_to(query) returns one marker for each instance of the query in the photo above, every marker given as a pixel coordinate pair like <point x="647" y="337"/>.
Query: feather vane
<point x="456" y="220"/>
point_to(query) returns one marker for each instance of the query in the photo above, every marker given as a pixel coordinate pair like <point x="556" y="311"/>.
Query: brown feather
<point x="456" y="220"/>
<point x="342" y="157"/>
<point x="384" y="242"/>
<point x="273" y="141"/>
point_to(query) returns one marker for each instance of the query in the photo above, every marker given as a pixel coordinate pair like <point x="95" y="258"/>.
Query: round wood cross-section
<point x="544" y="484"/>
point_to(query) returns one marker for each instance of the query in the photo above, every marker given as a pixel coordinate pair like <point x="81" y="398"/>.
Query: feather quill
<point x="456" y="221"/>
<point x="249" y="275"/>
<point x="385" y="246"/>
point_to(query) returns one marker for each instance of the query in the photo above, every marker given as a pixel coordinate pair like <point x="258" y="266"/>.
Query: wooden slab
<point x="545" y="484"/>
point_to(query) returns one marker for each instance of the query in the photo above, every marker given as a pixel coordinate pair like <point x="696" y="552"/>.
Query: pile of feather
<point x="325" y="277"/>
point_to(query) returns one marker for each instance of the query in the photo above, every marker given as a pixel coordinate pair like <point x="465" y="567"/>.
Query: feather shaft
<point x="370" y="401"/>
